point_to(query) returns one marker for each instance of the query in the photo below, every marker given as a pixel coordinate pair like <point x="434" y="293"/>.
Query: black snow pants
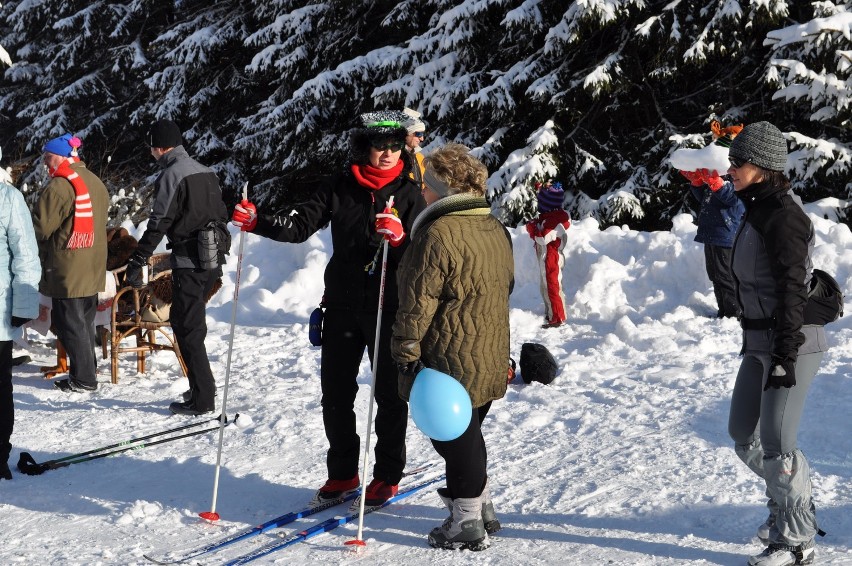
<point x="345" y="335"/>
<point x="74" y="323"/>
<point x="7" y="404"/>
<point x="717" y="260"/>
<point x="466" y="458"/>
<point x="190" y="288"/>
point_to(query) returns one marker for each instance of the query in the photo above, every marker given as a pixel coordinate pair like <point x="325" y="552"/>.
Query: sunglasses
<point x="394" y="147"/>
<point x="418" y="134"/>
<point x="736" y="163"/>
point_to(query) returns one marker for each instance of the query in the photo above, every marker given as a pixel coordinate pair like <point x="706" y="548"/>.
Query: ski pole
<point x="27" y="460"/>
<point x="359" y="541"/>
<point x="212" y="515"/>
<point x="27" y="465"/>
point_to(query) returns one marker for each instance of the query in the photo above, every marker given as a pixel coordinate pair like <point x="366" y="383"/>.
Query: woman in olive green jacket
<point x="453" y="317"/>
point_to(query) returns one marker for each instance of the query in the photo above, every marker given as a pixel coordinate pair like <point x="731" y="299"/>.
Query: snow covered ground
<point x="624" y="459"/>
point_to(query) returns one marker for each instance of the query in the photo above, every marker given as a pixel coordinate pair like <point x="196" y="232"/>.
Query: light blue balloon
<point x="440" y="405"/>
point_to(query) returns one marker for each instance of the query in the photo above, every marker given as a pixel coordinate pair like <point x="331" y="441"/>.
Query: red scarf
<point x="375" y="178"/>
<point x="83" y="229"/>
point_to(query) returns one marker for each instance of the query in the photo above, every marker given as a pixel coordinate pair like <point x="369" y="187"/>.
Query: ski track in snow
<point x="624" y="459"/>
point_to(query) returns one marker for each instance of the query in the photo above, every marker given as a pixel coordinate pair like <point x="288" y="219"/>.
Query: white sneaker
<point x="782" y="555"/>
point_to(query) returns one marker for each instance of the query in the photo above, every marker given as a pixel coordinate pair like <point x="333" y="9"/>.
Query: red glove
<point x="693" y="177"/>
<point x="389" y="225"/>
<point x="711" y="179"/>
<point x="245" y="216"/>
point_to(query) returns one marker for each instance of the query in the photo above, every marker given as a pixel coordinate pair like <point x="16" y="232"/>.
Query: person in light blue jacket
<point x="20" y="272"/>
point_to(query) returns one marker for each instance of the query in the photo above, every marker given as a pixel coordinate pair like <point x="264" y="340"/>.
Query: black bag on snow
<point x="825" y="299"/>
<point x="537" y="364"/>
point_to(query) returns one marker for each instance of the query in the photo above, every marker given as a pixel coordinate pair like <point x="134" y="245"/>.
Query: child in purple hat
<point x="549" y="234"/>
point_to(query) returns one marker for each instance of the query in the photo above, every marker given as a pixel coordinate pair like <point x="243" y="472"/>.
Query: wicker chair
<point x="127" y="319"/>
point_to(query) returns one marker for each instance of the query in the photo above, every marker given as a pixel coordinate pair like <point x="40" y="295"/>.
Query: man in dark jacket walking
<point x="187" y="199"/>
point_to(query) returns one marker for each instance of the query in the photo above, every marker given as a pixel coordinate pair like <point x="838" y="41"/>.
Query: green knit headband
<point x="384" y="124"/>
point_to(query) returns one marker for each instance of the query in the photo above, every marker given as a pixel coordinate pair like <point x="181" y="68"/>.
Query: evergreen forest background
<point x="594" y="93"/>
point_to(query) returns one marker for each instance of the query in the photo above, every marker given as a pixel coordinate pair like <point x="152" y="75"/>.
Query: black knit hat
<point x="760" y="144"/>
<point x="377" y="128"/>
<point x="163" y="133"/>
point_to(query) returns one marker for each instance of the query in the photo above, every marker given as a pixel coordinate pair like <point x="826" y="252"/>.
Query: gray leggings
<point x="764" y="427"/>
<point x="776" y="412"/>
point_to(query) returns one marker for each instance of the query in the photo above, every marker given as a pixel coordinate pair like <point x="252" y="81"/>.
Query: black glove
<point x="133" y="273"/>
<point x="410" y="369"/>
<point x="782" y="373"/>
<point x="18" y="321"/>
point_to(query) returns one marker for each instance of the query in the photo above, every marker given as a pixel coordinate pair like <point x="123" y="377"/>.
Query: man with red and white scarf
<point x="70" y="225"/>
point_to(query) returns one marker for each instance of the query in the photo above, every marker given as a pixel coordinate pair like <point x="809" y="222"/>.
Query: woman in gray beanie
<point x="771" y="262"/>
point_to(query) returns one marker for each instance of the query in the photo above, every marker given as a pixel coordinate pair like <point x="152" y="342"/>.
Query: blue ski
<point x="177" y="558"/>
<point x="325" y="526"/>
<point x="252" y="532"/>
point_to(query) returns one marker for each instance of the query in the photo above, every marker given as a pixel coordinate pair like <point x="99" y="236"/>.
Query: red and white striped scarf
<point x="83" y="229"/>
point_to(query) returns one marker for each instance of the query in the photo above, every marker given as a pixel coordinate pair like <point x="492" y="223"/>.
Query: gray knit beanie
<point x="761" y="144"/>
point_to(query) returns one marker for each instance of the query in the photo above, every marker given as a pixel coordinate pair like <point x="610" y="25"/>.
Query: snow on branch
<point x="840" y="23"/>
<point x="582" y="12"/>
<point x="524" y="16"/>
<point x="520" y="171"/>
<point x="499" y="93"/>
<point x="621" y="204"/>
<point x="798" y="70"/>
<point x="601" y="78"/>
<point x="283" y="42"/>
<point x="488" y="152"/>
<point x="704" y="44"/>
<point x="809" y="155"/>
<point x="81" y="21"/>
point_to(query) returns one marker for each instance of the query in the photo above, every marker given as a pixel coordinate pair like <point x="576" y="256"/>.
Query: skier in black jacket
<point x="355" y="203"/>
<point x="771" y="262"/>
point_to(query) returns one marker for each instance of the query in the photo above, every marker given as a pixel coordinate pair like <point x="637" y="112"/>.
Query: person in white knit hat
<point x="416" y="129"/>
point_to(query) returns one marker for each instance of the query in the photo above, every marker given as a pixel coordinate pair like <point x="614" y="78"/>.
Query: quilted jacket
<point x="454" y="286"/>
<point x="720" y="215"/>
